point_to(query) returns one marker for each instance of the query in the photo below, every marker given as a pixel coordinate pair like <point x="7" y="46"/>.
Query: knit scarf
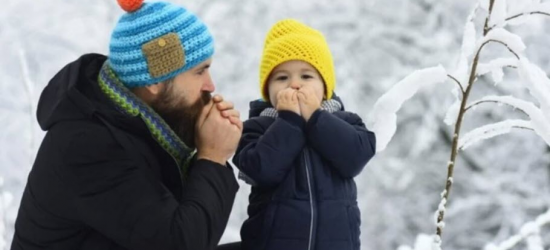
<point x="328" y="105"/>
<point x="128" y="103"/>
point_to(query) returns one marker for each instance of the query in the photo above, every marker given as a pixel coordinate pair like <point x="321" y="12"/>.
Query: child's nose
<point x="295" y="84"/>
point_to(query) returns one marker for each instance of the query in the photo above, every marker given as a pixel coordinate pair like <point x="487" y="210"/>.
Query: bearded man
<point x="136" y="149"/>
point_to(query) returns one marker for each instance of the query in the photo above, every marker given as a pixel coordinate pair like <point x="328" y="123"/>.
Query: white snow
<point x="383" y="119"/>
<point x="373" y="46"/>
<point x="534" y="242"/>
<point x="469" y="35"/>
<point x="441" y="207"/>
<point x="495" y="67"/>
<point x="511" y="40"/>
<point x="539" y="122"/>
<point x="454" y="109"/>
<point x="538" y="83"/>
<point x="498" y="15"/>
<point x="490" y="131"/>
<point x="484" y="4"/>
<point x="529" y="229"/>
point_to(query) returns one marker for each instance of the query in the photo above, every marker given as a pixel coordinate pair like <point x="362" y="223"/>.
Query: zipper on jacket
<point x="311" y="201"/>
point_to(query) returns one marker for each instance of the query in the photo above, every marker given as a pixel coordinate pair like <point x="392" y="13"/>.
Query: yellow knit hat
<point x="291" y="40"/>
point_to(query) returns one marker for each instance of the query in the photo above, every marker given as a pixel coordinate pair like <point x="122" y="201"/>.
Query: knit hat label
<point x="164" y="54"/>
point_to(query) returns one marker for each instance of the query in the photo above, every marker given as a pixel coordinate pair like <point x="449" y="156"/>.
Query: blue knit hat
<point x="154" y="42"/>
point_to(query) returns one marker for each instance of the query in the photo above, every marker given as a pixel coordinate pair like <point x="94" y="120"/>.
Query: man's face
<point x="181" y="101"/>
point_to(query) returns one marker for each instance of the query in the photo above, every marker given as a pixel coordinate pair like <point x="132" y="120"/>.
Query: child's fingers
<point x="280" y="95"/>
<point x="302" y="96"/>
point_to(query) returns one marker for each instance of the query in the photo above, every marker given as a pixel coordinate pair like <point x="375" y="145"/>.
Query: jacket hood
<point x="73" y="93"/>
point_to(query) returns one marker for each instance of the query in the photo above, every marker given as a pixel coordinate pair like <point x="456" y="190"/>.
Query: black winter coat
<point x="100" y="180"/>
<point x="304" y="197"/>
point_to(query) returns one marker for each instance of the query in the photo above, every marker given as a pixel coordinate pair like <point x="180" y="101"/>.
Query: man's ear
<point x="149" y="93"/>
<point x="154" y="89"/>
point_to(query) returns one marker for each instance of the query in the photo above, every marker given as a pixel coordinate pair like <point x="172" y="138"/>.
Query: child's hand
<point x="308" y="101"/>
<point x="287" y="99"/>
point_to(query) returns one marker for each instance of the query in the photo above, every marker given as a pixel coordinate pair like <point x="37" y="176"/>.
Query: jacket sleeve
<point x="266" y="155"/>
<point x="128" y="204"/>
<point x="342" y="139"/>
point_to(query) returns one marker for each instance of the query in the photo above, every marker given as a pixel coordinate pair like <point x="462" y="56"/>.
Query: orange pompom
<point x="130" y="5"/>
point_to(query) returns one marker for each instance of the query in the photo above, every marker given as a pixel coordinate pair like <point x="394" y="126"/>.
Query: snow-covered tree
<point x="498" y="14"/>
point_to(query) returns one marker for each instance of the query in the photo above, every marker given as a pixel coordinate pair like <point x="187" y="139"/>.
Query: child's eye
<point x="281" y="78"/>
<point x="307" y="77"/>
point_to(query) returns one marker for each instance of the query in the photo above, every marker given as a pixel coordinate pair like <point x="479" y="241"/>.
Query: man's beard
<point x="181" y="117"/>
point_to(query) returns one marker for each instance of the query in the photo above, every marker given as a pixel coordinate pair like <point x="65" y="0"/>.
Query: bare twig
<point x="485" y="101"/>
<point x="520" y="15"/>
<point x="458" y="125"/>
<point x="497" y="41"/>
<point x="486" y="28"/>
<point x="457" y="82"/>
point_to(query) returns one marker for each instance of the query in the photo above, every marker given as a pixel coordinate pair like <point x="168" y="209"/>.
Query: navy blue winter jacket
<point x="304" y="197"/>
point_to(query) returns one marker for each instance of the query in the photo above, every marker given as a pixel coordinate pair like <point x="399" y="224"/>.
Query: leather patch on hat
<point x="164" y="55"/>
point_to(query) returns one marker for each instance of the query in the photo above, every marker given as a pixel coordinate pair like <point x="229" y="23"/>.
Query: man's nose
<point x="208" y="86"/>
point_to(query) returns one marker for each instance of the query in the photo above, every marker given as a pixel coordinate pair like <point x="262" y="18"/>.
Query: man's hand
<point x="287" y="99"/>
<point x="228" y="111"/>
<point x="308" y="102"/>
<point x="217" y="137"/>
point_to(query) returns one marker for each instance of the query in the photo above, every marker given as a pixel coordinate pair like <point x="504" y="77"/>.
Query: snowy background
<point x="500" y="184"/>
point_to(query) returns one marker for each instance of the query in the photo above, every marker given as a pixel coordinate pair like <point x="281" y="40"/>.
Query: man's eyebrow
<point x="203" y="68"/>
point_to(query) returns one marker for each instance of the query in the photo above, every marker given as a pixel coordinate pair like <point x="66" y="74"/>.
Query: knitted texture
<point x="291" y="40"/>
<point x="131" y="105"/>
<point x="157" y="42"/>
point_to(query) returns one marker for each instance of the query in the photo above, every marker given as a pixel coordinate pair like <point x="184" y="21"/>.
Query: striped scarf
<point x="128" y="103"/>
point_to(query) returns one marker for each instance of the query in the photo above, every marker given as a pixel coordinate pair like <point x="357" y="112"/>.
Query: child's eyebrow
<point x="280" y="71"/>
<point x="309" y="70"/>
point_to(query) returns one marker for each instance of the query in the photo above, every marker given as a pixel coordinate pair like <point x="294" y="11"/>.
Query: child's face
<point x="294" y="74"/>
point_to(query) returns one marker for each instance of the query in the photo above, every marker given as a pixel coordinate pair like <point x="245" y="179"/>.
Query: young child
<point x="300" y="150"/>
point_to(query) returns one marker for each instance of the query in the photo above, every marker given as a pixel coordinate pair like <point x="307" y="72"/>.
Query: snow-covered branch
<point x="495" y="67"/>
<point x="532" y="9"/>
<point x="457" y="83"/>
<point x="527" y="230"/>
<point x="474" y="105"/>
<point x="538" y="83"/>
<point x="383" y="119"/>
<point x="490" y="131"/>
<point x="499" y="35"/>
<point x="539" y="122"/>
